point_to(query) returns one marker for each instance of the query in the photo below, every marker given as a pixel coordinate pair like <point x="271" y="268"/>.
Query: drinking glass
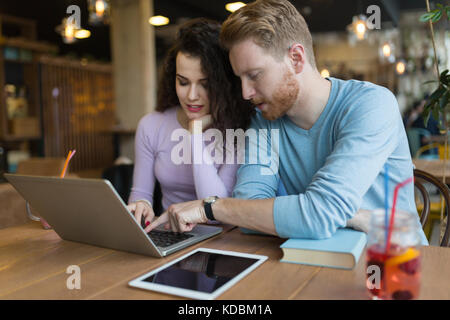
<point x="393" y="274"/>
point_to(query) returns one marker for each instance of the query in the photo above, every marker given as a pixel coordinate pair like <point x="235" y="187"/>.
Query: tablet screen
<point x="201" y="271"/>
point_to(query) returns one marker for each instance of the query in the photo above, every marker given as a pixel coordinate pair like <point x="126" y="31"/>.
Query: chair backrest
<point x="16" y="212"/>
<point x="419" y="177"/>
<point x="41" y="166"/>
<point x="431" y="146"/>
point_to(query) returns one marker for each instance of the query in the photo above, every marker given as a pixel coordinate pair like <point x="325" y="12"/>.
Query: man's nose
<point x="248" y="91"/>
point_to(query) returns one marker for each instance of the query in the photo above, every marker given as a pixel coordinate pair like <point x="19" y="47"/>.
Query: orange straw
<point x="391" y="222"/>
<point x="66" y="164"/>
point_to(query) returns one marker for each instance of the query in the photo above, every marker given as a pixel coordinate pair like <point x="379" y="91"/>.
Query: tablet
<point x="201" y="274"/>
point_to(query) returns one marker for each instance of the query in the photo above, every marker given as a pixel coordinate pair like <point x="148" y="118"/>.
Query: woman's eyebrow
<point x="179" y="75"/>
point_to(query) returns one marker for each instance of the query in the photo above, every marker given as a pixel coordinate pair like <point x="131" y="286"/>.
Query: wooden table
<point x="435" y="167"/>
<point x="33" y="264"/>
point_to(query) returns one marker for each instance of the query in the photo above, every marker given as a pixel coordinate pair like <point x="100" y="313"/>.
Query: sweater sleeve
<point x="258" y="179"/>
<point x="209" y="180"/>
<point x="367" y="134"/>
<point x="143" y="175"/>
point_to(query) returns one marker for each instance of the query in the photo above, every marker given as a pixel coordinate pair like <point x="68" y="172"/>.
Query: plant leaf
<point x="437" y="16"/>
<point x="444" y="100"/>
<point x="428" y="82"/>
<point x="436" y="113"/>
<point x="444" y="77"/>
<point x="437" y="93"/>
<point x="426" y="117"/>
<point x="425" y="17"/>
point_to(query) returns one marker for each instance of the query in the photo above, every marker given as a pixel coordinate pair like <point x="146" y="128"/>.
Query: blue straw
<point x="386" y="198"/>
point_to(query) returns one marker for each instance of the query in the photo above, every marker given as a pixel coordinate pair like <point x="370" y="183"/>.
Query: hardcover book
<point x="341" y="251"/>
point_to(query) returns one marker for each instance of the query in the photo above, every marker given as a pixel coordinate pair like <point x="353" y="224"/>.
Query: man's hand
<point x="181" y="217"/>
<point x="360" y="221"/>
<point x="194" y="125"/>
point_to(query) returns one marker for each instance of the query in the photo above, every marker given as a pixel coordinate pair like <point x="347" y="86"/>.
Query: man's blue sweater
<point x="335" y="168"/>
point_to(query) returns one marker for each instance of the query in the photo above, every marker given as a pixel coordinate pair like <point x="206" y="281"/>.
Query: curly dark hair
<point x="200" y="38"/>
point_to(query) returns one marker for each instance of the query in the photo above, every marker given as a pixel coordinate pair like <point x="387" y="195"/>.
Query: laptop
<point x="91" y="211"/>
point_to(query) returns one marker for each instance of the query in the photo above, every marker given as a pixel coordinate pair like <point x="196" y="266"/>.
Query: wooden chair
<point x="40" y="167"/>
<point x="420" y="177"/>
<point x="415" y="136"/>
<point x="431" y="146"/>
<point x="14" y="208"/>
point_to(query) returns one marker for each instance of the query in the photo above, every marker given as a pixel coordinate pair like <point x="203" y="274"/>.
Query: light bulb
<point x="386" y="50"/>
<point x="99" y="7"/>
<point x="158" y="21"/>
<point x="82" y="34"/>
<point x="325" y="73"/>
<point x="360" y="30"/>
<point x="233" y="6"/>
<point x="400" y="67"/>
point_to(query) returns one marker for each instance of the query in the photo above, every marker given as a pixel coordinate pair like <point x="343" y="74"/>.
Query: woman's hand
<point x="206" y="122"/>
<point x="142" y="209"/>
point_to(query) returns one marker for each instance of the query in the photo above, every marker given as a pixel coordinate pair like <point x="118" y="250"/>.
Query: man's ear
<point x="297" y="57"/>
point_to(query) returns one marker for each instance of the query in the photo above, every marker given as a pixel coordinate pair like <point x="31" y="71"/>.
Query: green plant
<point x="436" y="14"/>
<point x="438" y="102"/>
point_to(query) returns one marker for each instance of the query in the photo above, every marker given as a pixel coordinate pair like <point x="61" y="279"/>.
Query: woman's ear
<point x="297" y="57"/>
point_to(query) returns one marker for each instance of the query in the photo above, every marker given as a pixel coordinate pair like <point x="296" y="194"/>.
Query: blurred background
<point x="79" y="74"/>
<point x="86" y="89"/>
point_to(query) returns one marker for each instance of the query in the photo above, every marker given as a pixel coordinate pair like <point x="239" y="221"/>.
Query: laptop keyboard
<point x="167" y="238"/>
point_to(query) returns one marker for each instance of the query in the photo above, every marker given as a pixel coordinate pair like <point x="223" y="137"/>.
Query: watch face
<point x="210" y="199"/>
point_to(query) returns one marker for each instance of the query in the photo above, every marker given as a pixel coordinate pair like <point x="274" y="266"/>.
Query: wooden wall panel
<point x="78" y="112"/>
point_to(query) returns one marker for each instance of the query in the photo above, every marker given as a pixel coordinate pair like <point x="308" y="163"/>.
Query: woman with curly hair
<point x="197" y="84"/>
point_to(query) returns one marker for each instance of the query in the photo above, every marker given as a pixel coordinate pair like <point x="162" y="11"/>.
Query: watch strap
<point x="208" y="211"/>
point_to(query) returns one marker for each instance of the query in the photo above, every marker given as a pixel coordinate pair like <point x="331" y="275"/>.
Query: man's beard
<point x="284" y="97"/>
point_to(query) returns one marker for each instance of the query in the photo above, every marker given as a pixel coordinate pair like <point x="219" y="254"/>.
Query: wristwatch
<point x="207" y="203"/>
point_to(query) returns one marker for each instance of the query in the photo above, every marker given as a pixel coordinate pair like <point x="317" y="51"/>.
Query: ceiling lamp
<point x="358" y="27"/>
<point x="400" y="67"/>
<point x="387" y="51"/>
<point x="67" y="31"/>
<point x="82" y="34"/>
<point x="233" y="6"/>
<point x="325" y="73"/>
<point x="99" y="11"/>
<point x="158" y="21"/>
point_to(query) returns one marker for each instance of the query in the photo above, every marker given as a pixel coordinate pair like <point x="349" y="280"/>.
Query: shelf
<point x="12" y="138"/>
<point x="28" y="44"/>
<point x="18" y="61"/>
<point x="123" y="132"/>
